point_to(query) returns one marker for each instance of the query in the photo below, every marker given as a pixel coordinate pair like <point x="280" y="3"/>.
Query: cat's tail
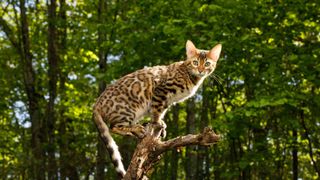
<point x="110" y="143"/>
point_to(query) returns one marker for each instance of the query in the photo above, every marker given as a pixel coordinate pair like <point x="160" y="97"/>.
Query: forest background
<point x="56" y="56"/>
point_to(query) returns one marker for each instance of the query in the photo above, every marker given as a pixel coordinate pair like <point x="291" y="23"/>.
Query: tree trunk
<point x="101" y="156"/>
<point x="63" y="139"/>
<point x="175" y="132"/>
<point x="307" y="135"/>
<point x="191" y="157"/>
<point x="203" y="163"/>
<point x="216" y="155"/>
<point x="165" y="169"/>
<point x="34" y="107"/>
<point x="68" y="170"/>
<point x="53" y="61"/>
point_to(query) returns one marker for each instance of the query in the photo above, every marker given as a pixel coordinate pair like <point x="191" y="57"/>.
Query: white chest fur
<point x="185" y="94"/>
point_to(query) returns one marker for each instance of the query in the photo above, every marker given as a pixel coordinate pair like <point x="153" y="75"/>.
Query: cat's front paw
<point x="160" y="127"/>
<point x="139" y="131"/>
<point x="163" y="133"/>
<point x="163" y="130"/>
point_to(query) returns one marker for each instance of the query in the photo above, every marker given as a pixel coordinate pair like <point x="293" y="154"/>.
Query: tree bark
<point x="175" y="154"/>
<point x="63" y="139"/>
<point x="101" y="156"/>
<point x="191" y="157"/>
<point x="34" y="98"/>
<point x="53" y="61"/>
<point x="150" y="149"/>
<point x="203" y="164"/>
<point x="67" y="169"/>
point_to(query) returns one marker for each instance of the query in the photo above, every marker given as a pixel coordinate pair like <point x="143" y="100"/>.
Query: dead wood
<point x="150" y="149"/>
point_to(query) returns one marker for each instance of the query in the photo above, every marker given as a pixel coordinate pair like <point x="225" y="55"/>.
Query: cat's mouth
<point x="201" y="74"/>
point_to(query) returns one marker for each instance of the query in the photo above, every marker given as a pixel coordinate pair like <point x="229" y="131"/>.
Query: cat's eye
<point x="195" y="63"/>
<point x="207" y="64"/>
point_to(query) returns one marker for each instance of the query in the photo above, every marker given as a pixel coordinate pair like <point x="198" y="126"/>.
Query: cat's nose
<point x="200" y="70"/>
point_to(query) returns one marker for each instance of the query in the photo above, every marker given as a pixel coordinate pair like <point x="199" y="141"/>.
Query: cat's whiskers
<point x="217" y="78"/>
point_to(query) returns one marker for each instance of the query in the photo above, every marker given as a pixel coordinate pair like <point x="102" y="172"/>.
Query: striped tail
<point x="110" y="144"/>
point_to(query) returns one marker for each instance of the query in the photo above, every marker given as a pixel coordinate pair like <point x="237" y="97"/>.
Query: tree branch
<point x="4" y="26"/>
<point x="150" y="149"/>
<point x="206" y="138"/>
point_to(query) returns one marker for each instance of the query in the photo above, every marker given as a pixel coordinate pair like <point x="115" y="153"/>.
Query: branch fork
<point x="150" y="149"/>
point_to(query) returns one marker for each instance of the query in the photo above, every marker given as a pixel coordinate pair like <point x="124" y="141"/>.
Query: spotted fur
<point x="149" y="91"/>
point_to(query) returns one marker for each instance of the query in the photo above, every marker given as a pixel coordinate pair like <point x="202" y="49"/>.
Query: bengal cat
<point x="150" y="91"/>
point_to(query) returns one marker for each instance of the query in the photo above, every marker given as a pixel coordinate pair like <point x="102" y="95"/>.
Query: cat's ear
<point x="191" y="49"/>
<point x="215" y="52"/>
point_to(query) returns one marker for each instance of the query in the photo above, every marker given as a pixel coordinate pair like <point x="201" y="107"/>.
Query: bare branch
<point x="150" y="149"/>
<point x="206" y="138"/>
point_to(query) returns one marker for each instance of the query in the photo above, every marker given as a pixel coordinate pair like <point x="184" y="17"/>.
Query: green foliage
<point x="269" y="73"/>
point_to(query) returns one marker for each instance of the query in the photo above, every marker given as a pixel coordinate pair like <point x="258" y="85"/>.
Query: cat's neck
<point x="193" y="78"/>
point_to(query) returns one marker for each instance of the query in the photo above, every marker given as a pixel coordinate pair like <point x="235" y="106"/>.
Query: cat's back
<point x="133" y="90"/>
<point x="143" y="76"/>
<point x="135" y="85"/>
<point x="138" y="85"/>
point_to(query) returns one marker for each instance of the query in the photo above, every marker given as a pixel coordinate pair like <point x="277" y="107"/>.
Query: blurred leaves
<point x="269" y="69"/>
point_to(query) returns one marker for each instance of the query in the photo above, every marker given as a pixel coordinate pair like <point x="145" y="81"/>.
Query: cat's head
<point x="202" y="63"/>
